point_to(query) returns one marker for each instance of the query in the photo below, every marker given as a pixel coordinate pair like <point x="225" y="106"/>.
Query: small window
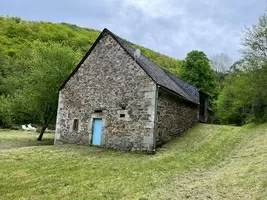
<point x="122" y="115"/>
<point x="98" y="111"/>
<point x="75" y="124"/>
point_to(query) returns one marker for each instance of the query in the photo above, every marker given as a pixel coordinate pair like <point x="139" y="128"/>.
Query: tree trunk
<point x="48" y="116"/>
<point x="42" y="132"/>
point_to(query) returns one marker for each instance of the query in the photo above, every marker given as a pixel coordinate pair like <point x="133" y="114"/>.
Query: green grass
<point x="208" y="162"/>
<point x="15" y="139"/>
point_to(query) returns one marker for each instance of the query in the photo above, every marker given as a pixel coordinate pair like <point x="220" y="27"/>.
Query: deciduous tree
<point x="197" y="71"/>
<point x="51" y="65"/>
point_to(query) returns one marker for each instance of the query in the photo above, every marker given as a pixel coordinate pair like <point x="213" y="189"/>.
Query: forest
<point x="36" y="57"/>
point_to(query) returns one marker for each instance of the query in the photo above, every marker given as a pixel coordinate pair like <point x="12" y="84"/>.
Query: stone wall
<point x="107" y="85"/>
<point x="174" y="116"/>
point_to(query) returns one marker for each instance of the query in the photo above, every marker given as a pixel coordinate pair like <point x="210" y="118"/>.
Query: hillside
<point x="16" y="35"/>
<point x="208" y="162"/>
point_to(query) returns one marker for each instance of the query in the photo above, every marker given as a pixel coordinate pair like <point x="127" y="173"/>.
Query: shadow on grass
<point x="17" y="139"/>
<point x="9" y="144"/>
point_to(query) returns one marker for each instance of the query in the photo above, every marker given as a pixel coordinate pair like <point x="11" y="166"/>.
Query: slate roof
<point x="191" y="90"/>
<point x="161" y="77"/>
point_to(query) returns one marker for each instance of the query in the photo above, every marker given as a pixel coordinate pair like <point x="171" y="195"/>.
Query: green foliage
<point x="235" y="101"/>
<point x="5" y="111"/>
<point x="171" y="64"/>
<point x="49" y="67"/>
<point x="244" y="96"/>
<point x="16" y="34"/>
<point x="197" y="71"/>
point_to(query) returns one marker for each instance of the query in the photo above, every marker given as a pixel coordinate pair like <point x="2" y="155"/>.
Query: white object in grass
<point x="31" y="128"/>
<point x="25" y="128"/>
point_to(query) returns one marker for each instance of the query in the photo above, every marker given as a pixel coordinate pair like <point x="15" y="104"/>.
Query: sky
<point x="171" y="27"/>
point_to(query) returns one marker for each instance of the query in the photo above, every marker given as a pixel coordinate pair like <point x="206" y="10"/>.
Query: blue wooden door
<point x="97" y="131"/>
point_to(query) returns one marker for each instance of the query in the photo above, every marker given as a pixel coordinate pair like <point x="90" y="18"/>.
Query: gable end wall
<point x="108" y="78"/>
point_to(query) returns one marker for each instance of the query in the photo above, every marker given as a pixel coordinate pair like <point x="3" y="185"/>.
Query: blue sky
<point x="172" y="27"/>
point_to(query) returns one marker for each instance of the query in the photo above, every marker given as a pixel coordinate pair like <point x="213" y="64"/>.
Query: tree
<point x="51" y="65"/>
<point x="244" y="96"/>
<point x="234" y="104"/>
<point x="255" y="54"/>
<point x="197" y="71"/>
<point x="5" y="111"/>
<point x="221" y="62"/>
<point x="255" y="43"/>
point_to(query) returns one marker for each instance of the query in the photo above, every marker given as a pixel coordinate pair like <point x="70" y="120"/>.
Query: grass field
<point x="208" y="162"/>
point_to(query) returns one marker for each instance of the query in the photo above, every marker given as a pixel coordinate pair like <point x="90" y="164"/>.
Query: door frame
<point x="91" y="128"/>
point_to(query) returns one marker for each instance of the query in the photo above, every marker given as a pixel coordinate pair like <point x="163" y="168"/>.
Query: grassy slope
<point x="208" y="162"/>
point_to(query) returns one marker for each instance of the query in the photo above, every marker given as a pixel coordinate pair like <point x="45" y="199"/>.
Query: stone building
<point x="117" y="100"/>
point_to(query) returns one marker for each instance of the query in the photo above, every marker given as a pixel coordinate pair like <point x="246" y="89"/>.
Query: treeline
<point x="16" y="35"/>
<point x="239" y="94"/>
<point x="243" y="98"/>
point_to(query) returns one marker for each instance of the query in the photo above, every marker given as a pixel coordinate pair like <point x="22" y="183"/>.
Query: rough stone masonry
<point x="109" y="83"/>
